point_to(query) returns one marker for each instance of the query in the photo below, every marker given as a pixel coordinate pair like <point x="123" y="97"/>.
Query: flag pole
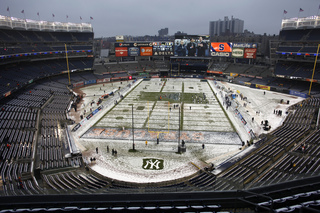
<point x="284" y="13"/>
<point x="300" y="10"/>
<point x="314" y="68"/>
<point x="8" y="9"/>
<point x="24" y="15"/>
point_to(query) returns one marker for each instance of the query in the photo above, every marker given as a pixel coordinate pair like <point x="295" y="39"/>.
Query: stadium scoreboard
<point x="124" y="49"/>
<point x="187" y="46"/>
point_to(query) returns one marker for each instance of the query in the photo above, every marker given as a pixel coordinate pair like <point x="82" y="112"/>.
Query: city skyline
<point x="142" y="17"/>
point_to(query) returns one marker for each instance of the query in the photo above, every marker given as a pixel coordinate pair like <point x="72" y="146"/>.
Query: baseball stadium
<point x="155" y="127"/>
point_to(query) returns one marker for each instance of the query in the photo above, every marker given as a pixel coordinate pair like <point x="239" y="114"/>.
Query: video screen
<point x="192" y="45"/>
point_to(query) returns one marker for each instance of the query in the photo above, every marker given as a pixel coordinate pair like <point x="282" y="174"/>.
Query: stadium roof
<point x="28" y="24"/>
<point x="301" y="23"/>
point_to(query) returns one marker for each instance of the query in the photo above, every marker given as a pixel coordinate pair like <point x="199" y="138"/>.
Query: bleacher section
<point x="137" y="68"/>
<point x="296" y="54"/>
<point x="297" y="69"/>
<point x="41" y="106"/>
<point x="275" y="161"/>
<point x="18" y="36"/>
<point x="238" y="68"/>
<point x="219" y="66"/>
<point x="26" y="55"/>
<point x="300" y="35"/>
<point x="34" y="100"/>
<point x="15" y="76"/>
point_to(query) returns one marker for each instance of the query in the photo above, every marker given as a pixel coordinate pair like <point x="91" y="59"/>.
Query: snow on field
<point x="128" y="166"/>
<point x="263" y="101"/>
<point x="203" y="123"/>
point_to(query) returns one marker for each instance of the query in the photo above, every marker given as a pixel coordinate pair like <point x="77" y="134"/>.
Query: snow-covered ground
<point x="203" y="123"/>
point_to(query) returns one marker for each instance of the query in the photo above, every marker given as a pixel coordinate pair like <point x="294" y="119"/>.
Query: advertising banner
<point x="313" y="80"/>
<point x="237" y="52"/>
<point x="299" y="94"/>
<point x="90" y="82"/>
<point x="123" y="44"/>
<point x="146" y="51"/>
<point x="78" y="84"/>
<point x="245" y="45"/>
<point x="103" y="80"/>
<point x="162" y="48"/>
<point x="119" y="38"/>
<point x="250" y="53"/>
<point x="118" y="78"/>
<point x="209" y="78"/>
<point x="121" y="51"/>
<point x="133" y="51"/>
<point x="262" y="87"/>
<point x="96" y="110"/>
<point x="221" y="54"/>
<point x="76" y="127"/>
<point x="222" y="49"/>
<point x="214" y="72"/>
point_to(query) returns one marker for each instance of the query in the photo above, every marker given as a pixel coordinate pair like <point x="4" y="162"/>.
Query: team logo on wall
<point x="152" y="164"/>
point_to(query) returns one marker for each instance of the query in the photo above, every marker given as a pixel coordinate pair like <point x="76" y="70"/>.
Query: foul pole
<point x="65" y="45"/>
<point x="314" y="68"/>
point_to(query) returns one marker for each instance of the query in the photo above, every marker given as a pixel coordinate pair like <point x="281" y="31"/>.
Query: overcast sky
<point x="146" y="17"/>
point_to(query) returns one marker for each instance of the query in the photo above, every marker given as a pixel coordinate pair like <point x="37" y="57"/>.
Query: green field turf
<point x="173" y="97"/>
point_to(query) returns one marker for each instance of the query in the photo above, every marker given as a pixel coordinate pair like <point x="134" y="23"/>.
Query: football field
<point x="154" y="107"/>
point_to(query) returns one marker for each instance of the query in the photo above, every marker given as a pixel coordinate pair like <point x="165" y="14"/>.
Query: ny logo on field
<point x="152" y="164"/>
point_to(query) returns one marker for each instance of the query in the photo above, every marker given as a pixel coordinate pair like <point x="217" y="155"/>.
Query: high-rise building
<point x="163" y="32"/>
<point x="226" y="26"/>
